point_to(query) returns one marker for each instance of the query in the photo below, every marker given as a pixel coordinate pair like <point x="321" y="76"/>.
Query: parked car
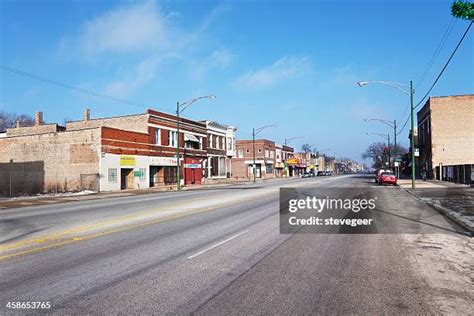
<point x="387" y="177"/>
<point x="307" y="175"/>
<point x="324" y="173"/>
<point x="378" y="173"/>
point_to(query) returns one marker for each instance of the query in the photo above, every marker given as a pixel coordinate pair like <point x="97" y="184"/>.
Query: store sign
<point x="279" y="165"/>
<point x="127" y="161"/>
<point x="292" y="161"/>
<point x="192" y="165"/>
<point x="137" y="174"/>
<point x="163" y="161"/>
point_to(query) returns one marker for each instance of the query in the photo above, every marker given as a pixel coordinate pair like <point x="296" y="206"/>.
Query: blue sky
<point x="289" y="63"/>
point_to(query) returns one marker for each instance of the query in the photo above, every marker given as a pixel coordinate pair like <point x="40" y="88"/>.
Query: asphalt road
<point x="219" y="251"/>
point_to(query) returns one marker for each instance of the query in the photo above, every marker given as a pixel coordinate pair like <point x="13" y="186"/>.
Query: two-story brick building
<point x="446" y="138"/>
<point x="264" y="159"/>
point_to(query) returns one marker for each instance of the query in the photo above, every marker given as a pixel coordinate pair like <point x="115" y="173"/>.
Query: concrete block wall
<point x="49" y="162"/>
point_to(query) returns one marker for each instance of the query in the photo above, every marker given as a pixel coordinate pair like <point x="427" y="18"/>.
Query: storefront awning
<point x="190" y="138"/>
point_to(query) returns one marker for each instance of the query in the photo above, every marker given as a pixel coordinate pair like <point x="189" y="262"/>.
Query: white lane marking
<point x="218" y="244"/>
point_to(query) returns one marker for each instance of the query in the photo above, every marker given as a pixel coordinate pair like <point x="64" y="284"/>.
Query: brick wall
<point x="49" y="162"/>
<point x="33" y="130"/>
<point x="136" y="123"/>
<point x="239" y="168"/>
<point x="452" y="130"/>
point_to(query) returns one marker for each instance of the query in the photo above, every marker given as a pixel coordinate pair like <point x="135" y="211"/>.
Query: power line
<point x="437" y="51"/>
<point x="439" y="75"/>
<point x="445" y="65"/>
<point x="67" y="86"/>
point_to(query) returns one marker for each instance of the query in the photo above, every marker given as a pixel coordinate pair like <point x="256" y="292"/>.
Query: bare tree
<point x="375" y="151"/>
<point x="8" y="120"/>
<point x="306" y="148"/>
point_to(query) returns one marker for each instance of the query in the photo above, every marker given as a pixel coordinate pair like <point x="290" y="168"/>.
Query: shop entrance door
<point x="126" y="179"/>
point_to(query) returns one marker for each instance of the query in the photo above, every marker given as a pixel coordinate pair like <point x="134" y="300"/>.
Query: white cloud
<point x="126" y="29"/>
<point x="218" y="59"/>
<point x="285" y="68"/>
<point x="141" y="36"/>
<point x="141" y="74"/>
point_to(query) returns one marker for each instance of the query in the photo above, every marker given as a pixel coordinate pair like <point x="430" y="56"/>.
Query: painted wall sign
<point x="127" y="161"/>
<point x="163" y="161"/>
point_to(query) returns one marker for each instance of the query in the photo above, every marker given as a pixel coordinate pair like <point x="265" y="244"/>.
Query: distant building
<point x="265" y="159"/>
<point x="446" y="137"/>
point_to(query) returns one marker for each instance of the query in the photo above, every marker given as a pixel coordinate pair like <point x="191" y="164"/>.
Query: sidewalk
<point x="453" y="200"/>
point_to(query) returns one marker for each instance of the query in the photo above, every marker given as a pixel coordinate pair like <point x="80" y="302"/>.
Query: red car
<point x="387" y="177"/>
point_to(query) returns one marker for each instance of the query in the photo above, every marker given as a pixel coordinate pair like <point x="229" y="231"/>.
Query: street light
<point x="402" y="88"/>
<point x="180" y="107"/>
<point x="387" y="138"/>
<point x="390" y="124"/>
<point x="287" y="140"/>
<point x="256" y="131"/>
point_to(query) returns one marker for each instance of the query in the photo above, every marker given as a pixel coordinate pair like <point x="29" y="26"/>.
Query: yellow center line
<point x="112" y="231"/>
<point x="46" y="237"/>
<point x="57" y="241"/>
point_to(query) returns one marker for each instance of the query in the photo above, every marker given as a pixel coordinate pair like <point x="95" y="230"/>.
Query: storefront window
<point x="112" y="176"/>
<point x="142" y="174"/>
<point x="269" y="169"/>
<point x="170" y="175"/>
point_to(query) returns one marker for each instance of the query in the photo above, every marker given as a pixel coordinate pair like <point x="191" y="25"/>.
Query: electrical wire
<point x="436" y="53"/>
<point x="67" y="86"/>
<point x="439" y="75"/>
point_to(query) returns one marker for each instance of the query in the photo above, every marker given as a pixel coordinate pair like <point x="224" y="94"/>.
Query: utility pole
<point x="179" y="108"/>
<point x="256" y="131"/>
<point x="178" y="175"/>
<point x="11" y="167"/>
<point x="254" y="162"/>
<point x="389" y="150"/>
<point x="395" y="135"/>
<point x="412" y="137"/>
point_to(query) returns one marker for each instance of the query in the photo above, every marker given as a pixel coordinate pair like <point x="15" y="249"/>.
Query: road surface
<point x="219" y="251"/>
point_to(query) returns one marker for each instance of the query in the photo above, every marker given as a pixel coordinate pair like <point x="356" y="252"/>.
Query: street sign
<point x="192" y="165"/>
<point x="417" y="152"/>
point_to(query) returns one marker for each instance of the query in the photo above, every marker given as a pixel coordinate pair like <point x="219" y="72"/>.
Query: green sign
<point x="137" y="173"/>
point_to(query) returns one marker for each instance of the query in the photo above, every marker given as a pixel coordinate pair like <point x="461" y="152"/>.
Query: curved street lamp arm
<point x="183" y="106"/>
<point x="378" y="134"/>
<point x="395" y="85"/>
<point x="386" y="122"/>
<point x="258" y="130"/>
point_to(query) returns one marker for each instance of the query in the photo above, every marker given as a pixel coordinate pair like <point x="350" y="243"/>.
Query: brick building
<point x="446" y="137"/>
<point x="265" y="159"/>
<point x="133" y="151"/>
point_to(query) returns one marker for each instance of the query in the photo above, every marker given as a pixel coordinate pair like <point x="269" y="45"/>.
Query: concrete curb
<point x="444" y="211"/>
